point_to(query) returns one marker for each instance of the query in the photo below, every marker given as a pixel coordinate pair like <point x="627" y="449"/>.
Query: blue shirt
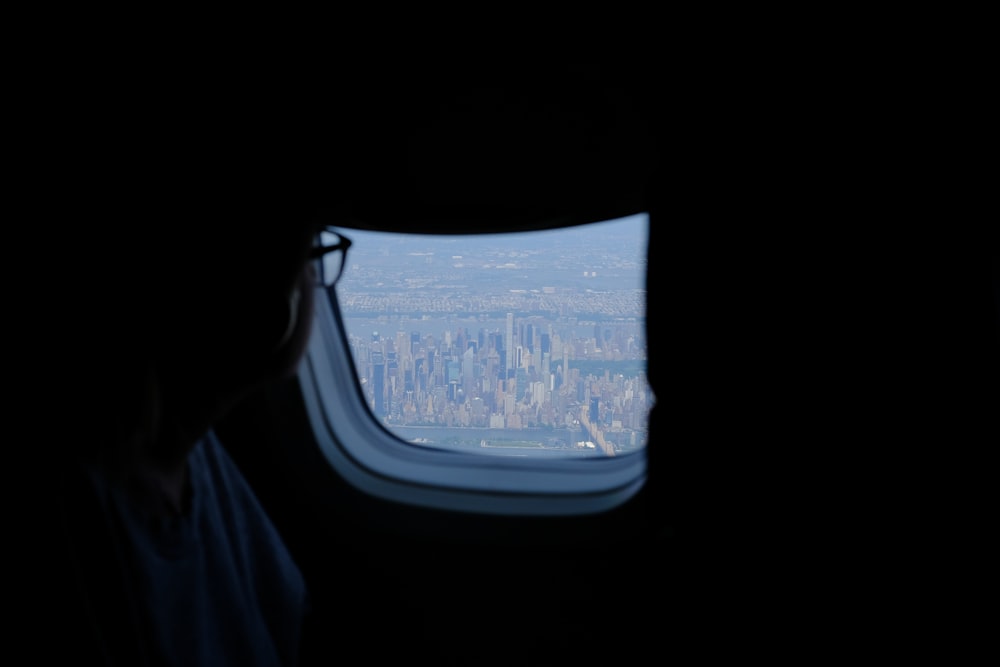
<point x="216" y="586"/>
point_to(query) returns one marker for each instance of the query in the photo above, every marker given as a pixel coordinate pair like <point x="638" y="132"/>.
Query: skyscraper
<point x="509" y="340"/>
<point x="378" y="384"/>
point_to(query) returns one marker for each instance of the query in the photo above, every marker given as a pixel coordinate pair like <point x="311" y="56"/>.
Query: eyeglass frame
<point x="319" y="251"/>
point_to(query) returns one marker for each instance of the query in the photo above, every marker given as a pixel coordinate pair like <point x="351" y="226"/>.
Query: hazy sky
<point x="627" y="236"/>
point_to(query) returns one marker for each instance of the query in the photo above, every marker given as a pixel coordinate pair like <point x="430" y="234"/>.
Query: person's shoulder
<point x="211" y="462"/>
<point x="210" y="448"/>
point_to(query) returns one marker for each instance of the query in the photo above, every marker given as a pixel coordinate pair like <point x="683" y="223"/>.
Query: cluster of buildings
<point x="529" y="374"/>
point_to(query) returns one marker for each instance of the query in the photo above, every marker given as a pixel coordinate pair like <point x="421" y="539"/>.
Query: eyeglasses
<point x="331" y="249"/>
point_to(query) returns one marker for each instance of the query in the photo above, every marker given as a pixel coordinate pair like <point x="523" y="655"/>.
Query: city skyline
<point x="440" y="339"/>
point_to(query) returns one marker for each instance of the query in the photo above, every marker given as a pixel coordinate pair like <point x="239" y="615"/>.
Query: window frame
<point x="379" y="463"/>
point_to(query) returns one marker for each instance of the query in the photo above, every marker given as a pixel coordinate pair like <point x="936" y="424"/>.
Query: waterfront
<point x="500" y="442"/>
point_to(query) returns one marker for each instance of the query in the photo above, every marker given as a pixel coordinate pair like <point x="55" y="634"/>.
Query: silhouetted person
<point x="187" y="291"/>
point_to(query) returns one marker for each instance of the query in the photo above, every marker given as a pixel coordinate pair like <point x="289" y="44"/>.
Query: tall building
<point x="509" y="340"/>
<point x="378" y="384"/>
<point x="420" y="373"/>
<point x="468" y="361"/>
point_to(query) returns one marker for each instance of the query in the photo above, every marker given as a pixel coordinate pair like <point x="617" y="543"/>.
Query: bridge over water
<point x="595" y="434"/>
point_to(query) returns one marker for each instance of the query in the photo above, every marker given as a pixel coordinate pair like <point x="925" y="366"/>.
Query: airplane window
<point x="522" y="344"/>
<point x="500" y="373"/>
